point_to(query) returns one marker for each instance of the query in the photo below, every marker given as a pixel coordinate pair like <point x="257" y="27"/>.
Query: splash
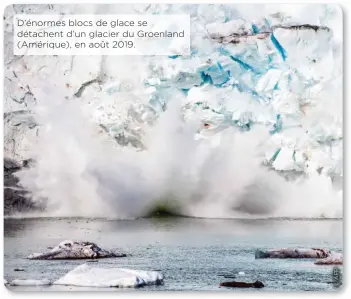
<point x="80" y="172"/>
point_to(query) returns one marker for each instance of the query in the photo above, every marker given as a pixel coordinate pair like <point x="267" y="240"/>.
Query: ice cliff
<point x="264" y="70"/>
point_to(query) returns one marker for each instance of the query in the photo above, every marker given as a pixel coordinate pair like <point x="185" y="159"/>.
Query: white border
<point x="346" y="7"/>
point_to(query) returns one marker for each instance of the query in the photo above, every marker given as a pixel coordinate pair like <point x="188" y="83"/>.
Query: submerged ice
<point x="248" y="125"/>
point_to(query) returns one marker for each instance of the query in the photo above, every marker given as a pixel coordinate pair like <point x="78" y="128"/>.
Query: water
<point x="193" y="254"/>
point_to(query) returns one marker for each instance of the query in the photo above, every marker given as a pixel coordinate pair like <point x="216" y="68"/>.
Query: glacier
<point x="248" y="125"/>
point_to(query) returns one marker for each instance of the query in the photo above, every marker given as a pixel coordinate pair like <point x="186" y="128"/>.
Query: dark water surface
<point x="193" y="254"/>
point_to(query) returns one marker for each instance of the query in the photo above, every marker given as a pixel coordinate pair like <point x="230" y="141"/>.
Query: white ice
<point x="86" y="276"/>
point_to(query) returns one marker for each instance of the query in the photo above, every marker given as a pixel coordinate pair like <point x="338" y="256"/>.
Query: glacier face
<point x="260" y="94"/>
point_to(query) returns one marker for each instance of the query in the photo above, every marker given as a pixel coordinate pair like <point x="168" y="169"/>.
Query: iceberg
<point x="75" y="250"/>
<point x="86" y="276"/>
<point x="297" y="253"/>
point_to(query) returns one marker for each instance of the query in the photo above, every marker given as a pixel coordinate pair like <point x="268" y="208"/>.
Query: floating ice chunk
<point x="334" y="258"/>
<point x="241" y="273"/>
<point x="293" y="253"/>
<point x="86" y="276"/>
<point x="75" y="250"/>
<point x="30" y="282"/>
